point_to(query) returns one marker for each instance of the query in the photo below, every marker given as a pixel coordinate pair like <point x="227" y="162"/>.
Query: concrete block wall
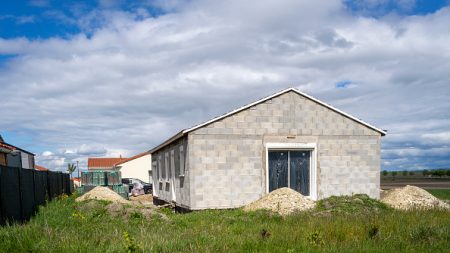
<point x="227" y="157"/>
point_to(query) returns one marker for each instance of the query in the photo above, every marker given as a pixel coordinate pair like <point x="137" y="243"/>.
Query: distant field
<point x="440" y="193"/>
<point x="388" y="182"/>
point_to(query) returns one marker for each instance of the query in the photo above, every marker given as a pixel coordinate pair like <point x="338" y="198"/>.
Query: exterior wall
<point x="137" y="168"/>
<point x="174" y="187"/>
<point x="227" y="158"/>
<point x="27" y="160"/>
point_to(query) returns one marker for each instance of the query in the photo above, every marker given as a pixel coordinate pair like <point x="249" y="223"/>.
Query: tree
<point x="448" y="173"/>
<point x="438" y="173"/>
<point x="425" y="172"/>
<point x="405" y="173"/>
<point x="385" y="173"/>
<point x="71" y="168"/>
<point x="394" y="173"/>
<point x="411" y="173"/>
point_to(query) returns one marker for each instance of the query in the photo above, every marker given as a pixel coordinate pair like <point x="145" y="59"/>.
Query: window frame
<point x="296" y="146"/>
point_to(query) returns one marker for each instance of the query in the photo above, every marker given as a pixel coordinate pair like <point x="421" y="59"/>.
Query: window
<point x="150" y="175"/>
<point x="154" y="171"/>
<point x="177" y="163"/>
<point x="292" y="165"/>
<point x="162" y="170"/>
<point x="182" y="169"/>
<point x="172" y="162"/>
<point x="166" y="166"/>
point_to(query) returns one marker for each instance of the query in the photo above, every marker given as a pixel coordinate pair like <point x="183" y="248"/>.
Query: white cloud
<point x="137" y="79"/>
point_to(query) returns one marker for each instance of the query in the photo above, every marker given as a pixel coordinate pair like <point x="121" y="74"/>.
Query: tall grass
<point x="66" y="226"/>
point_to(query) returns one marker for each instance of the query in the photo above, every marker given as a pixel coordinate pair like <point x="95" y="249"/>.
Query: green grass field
<point x="338" y="225"/>
<point x="440" y="193"/>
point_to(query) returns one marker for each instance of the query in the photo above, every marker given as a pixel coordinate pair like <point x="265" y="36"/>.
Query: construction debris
<point x="102" y="193"/>
<point x="412" y="197"/>
<point x="283" y="201"/>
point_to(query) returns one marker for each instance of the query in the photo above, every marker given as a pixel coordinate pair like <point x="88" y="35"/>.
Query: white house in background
<point x="138" y="166"/>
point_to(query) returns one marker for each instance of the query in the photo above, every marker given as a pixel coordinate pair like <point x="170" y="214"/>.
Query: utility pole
<point x="78" y="168"/>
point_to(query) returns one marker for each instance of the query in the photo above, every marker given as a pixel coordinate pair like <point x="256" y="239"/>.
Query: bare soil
<point x="412" y="197"/>
<point x="283" y="201"/>
<point x="102" y="193"/>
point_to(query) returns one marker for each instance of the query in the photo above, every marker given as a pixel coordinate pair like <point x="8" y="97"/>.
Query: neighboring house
<point x="76" y="181"/>
<point x="14" y="156"/>
<point x="40" y="168"/>
<point x="103" y="163"/>
<point x="288" y="139"/>
<point x="138" y="166"/>
<point x="4" y="151"/>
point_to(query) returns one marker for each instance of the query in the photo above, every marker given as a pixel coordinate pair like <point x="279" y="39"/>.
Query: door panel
<point x="278" y="169"/>
<point x="299" y="171"/>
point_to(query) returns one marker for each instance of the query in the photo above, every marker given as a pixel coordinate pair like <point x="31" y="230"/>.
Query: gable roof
<point x="38" y="167"/>
<point x="185" y="131"/>
<point x="105" y="163"/>
<point x="132" y="158"/>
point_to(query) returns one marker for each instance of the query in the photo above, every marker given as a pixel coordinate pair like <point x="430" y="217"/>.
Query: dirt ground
<point x="146" y="199"/>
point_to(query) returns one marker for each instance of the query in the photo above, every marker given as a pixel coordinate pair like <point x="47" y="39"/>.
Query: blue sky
<point x="94" y="72"/>
<point x="40" y="19"/>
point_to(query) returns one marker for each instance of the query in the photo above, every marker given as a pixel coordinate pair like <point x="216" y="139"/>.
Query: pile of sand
<point x="283" y="201"/>
<point x="412" y="197"/>
<point x="103" y="193"/>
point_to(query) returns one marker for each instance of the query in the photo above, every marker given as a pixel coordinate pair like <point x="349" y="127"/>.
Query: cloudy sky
<point x="109" y="78"/>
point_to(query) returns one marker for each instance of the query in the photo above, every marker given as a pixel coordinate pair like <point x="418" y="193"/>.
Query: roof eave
<point x="168" y="141"/>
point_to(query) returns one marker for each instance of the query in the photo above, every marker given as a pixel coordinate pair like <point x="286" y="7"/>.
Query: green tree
<point x="71" y="168"/>
<point x="405" y="173"/>
<point x="438" y="173"/>
<point x="411" y="173"/>
<point x="385" y="173"/>
<point x="393" y="173"/>
<point x="448" y="173"/>
<point x="425" y="172"/>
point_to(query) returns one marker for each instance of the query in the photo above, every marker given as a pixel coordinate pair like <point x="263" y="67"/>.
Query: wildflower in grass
<point x="315" y="238"/>
<point x="129" y="243"/>
<point x="78" y="215"/>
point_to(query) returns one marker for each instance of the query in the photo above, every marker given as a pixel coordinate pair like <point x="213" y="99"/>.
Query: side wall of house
<point x="228" y="162"/>
<point x="171" y="173"/>
<point x="137" y="168"/>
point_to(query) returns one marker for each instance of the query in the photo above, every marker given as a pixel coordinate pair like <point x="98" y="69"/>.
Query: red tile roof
<point x="104" y="163"/>
<point x="40" y="168"/>
<point x="132" y="158"/>
<point x="6" y="146"/>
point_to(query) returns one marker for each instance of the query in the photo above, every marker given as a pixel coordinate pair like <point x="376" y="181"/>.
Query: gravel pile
<point x="412" y="197"/>
<point x="283" y="201"/>
<point x="103" y="193"/>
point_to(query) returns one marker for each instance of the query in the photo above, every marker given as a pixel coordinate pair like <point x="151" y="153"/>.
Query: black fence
<point x="23" y="190"/>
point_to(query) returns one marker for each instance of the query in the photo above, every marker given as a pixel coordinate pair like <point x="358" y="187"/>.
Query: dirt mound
<point x="412" y="197"/>
<point x="102" y="193"/>
<point x="357" y="203"/>
<point x="283" y="201"/>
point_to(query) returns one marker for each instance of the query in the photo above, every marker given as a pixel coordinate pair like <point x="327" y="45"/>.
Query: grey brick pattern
<point x="227" y="164"/>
